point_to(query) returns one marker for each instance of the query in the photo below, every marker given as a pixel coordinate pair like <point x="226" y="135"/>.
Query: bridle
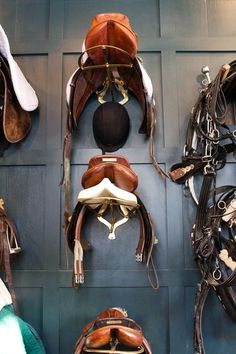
<point x="209" y="139"/>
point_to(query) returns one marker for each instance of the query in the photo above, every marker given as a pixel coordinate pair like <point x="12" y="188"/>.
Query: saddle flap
<point x="16" y="122"/>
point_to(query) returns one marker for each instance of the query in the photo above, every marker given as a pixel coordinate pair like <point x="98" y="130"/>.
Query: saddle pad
<point x="112" y="29"/>
<point x="107" y="191"/>
<point x="114" y="167"/>
<point x="24" y="92"/>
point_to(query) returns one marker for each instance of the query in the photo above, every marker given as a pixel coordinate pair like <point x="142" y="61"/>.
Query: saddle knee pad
<point x="113" y="167"/>
<point x="111" y="126"/>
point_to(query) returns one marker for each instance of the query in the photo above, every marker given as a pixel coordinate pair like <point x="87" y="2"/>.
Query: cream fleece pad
<point x="24" y="92"/>
<point x="5" y="296"/>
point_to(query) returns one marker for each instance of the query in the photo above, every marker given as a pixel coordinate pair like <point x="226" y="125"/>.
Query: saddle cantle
<point x="112" y="332"/>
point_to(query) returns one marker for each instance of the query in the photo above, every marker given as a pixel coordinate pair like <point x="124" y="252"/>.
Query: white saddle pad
<point x="23" y="90"/>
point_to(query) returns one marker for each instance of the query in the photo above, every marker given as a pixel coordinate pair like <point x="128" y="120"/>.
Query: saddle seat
<point x="114" y="167"/>
<point x="112" y="328"/>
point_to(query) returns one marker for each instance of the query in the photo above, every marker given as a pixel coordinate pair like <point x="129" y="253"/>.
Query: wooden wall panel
<point x="176" y="38"/>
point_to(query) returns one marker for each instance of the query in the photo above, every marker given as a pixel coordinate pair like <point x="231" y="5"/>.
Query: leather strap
<point x="5" y="263"/>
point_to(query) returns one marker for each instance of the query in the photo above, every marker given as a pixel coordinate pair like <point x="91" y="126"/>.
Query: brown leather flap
<point x="16" y="121"/>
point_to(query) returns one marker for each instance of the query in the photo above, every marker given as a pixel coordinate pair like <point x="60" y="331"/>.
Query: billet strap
<point x="153" y="159"/>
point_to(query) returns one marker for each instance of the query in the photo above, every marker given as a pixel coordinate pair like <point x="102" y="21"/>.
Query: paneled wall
<point x="176" y="38"/>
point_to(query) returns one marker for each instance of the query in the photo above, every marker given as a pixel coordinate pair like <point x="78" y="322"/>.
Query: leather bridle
<point x="210" y="138"/>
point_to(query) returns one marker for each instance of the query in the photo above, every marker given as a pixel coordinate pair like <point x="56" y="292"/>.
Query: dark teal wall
<point x="176" y="38"/>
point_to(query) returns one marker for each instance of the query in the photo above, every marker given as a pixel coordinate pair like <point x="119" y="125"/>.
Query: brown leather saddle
<point x="8" y="248"/>
<point x="122" y="180"/>
<point x="15" y="123"/>
<point x="109" y="54"/>
<point x="112" y="332"/>
<point x="114" y="167"/>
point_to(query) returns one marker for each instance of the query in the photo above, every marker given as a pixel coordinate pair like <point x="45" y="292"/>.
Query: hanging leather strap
<point x="201" y="295"/>
<point x="5" y="262"/>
